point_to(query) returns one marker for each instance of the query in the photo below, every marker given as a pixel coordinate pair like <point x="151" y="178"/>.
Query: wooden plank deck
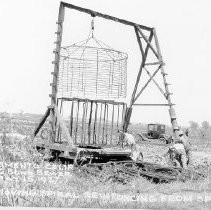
<point x="106" y="151"/>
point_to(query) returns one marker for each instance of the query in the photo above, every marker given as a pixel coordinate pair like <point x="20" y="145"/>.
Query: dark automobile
<point x="155" y="131"/>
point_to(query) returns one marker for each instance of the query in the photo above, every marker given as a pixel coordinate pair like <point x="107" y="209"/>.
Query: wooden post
<point x="144" y="55"/>
<point x="57" y="53"/>
<point x="168" y="95"/>
<point x="56" y="69"/>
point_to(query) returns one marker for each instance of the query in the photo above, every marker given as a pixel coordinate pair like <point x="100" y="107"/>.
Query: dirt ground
<point x="16" y="149"/>
<point x="156" y="154"/>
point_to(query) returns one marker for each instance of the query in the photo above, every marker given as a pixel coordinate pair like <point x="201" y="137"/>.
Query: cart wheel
<point x="82" y="158"/>
<point x="162" y="139"/>
<point x="140" y="138"/>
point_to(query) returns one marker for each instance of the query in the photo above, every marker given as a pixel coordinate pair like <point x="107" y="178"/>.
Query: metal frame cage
<point x="92" y="122"/>
<point x="92" y="72"/>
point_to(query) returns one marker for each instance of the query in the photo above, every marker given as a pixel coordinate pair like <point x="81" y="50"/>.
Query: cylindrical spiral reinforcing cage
<point x="91" y="72"/>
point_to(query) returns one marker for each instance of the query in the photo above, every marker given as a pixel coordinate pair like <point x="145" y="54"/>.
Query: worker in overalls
<point x="185" y="141"/>
<point x="181" y="152"/>
<point x="129" y="139"/>
<point x="177" y="155"/>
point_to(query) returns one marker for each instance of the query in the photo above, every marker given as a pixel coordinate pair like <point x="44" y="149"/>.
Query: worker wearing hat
<point x="177" y="155"/>
<point x="185" y="141"/>
<point x="131" y="142"/>
<point x="128" y="138"/>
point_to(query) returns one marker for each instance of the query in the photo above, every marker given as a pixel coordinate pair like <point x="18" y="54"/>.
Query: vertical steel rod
<point x="89" y="123"/>
<point x="112" y="124"/>
<point x="104" y="119"/>
<point x="99" y="127"/>
<point x="82" y="128"/>
<point x="118" y="118"/>
<point x="58" y="133"/>
<point x="84" y="131"/>
<point x="95" y="123"/>
<point x="97" y="74"/>
<point x="77" y="116"/>
<point x="106" y="125"/>
<point x="71" y="119"/>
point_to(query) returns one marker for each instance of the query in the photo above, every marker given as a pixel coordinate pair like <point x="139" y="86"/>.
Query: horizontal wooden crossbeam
<point x="153" y="63"/>
<point x="98" y="14"/>
<point x="94" y="101"/>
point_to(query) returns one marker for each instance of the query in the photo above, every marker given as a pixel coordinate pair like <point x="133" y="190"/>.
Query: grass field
<point x="27" y="180"/>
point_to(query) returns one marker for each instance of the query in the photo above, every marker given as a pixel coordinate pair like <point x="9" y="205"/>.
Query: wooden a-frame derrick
<point x="159" y="63"/>
<point x="56" y="119"/>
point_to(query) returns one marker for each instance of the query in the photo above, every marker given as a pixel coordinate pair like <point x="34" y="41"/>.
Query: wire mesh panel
<point x="92" y="72"/>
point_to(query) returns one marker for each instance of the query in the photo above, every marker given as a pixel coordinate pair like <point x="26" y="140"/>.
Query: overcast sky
<point x="184" y="32"/>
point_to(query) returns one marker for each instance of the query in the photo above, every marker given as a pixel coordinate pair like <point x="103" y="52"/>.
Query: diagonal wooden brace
<point x="63" y="127"/>
<point x="143" y="88"/>
<point x="158" y="86"/>
<point x="42" y="121"/>
<point x="148" y="42"/>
